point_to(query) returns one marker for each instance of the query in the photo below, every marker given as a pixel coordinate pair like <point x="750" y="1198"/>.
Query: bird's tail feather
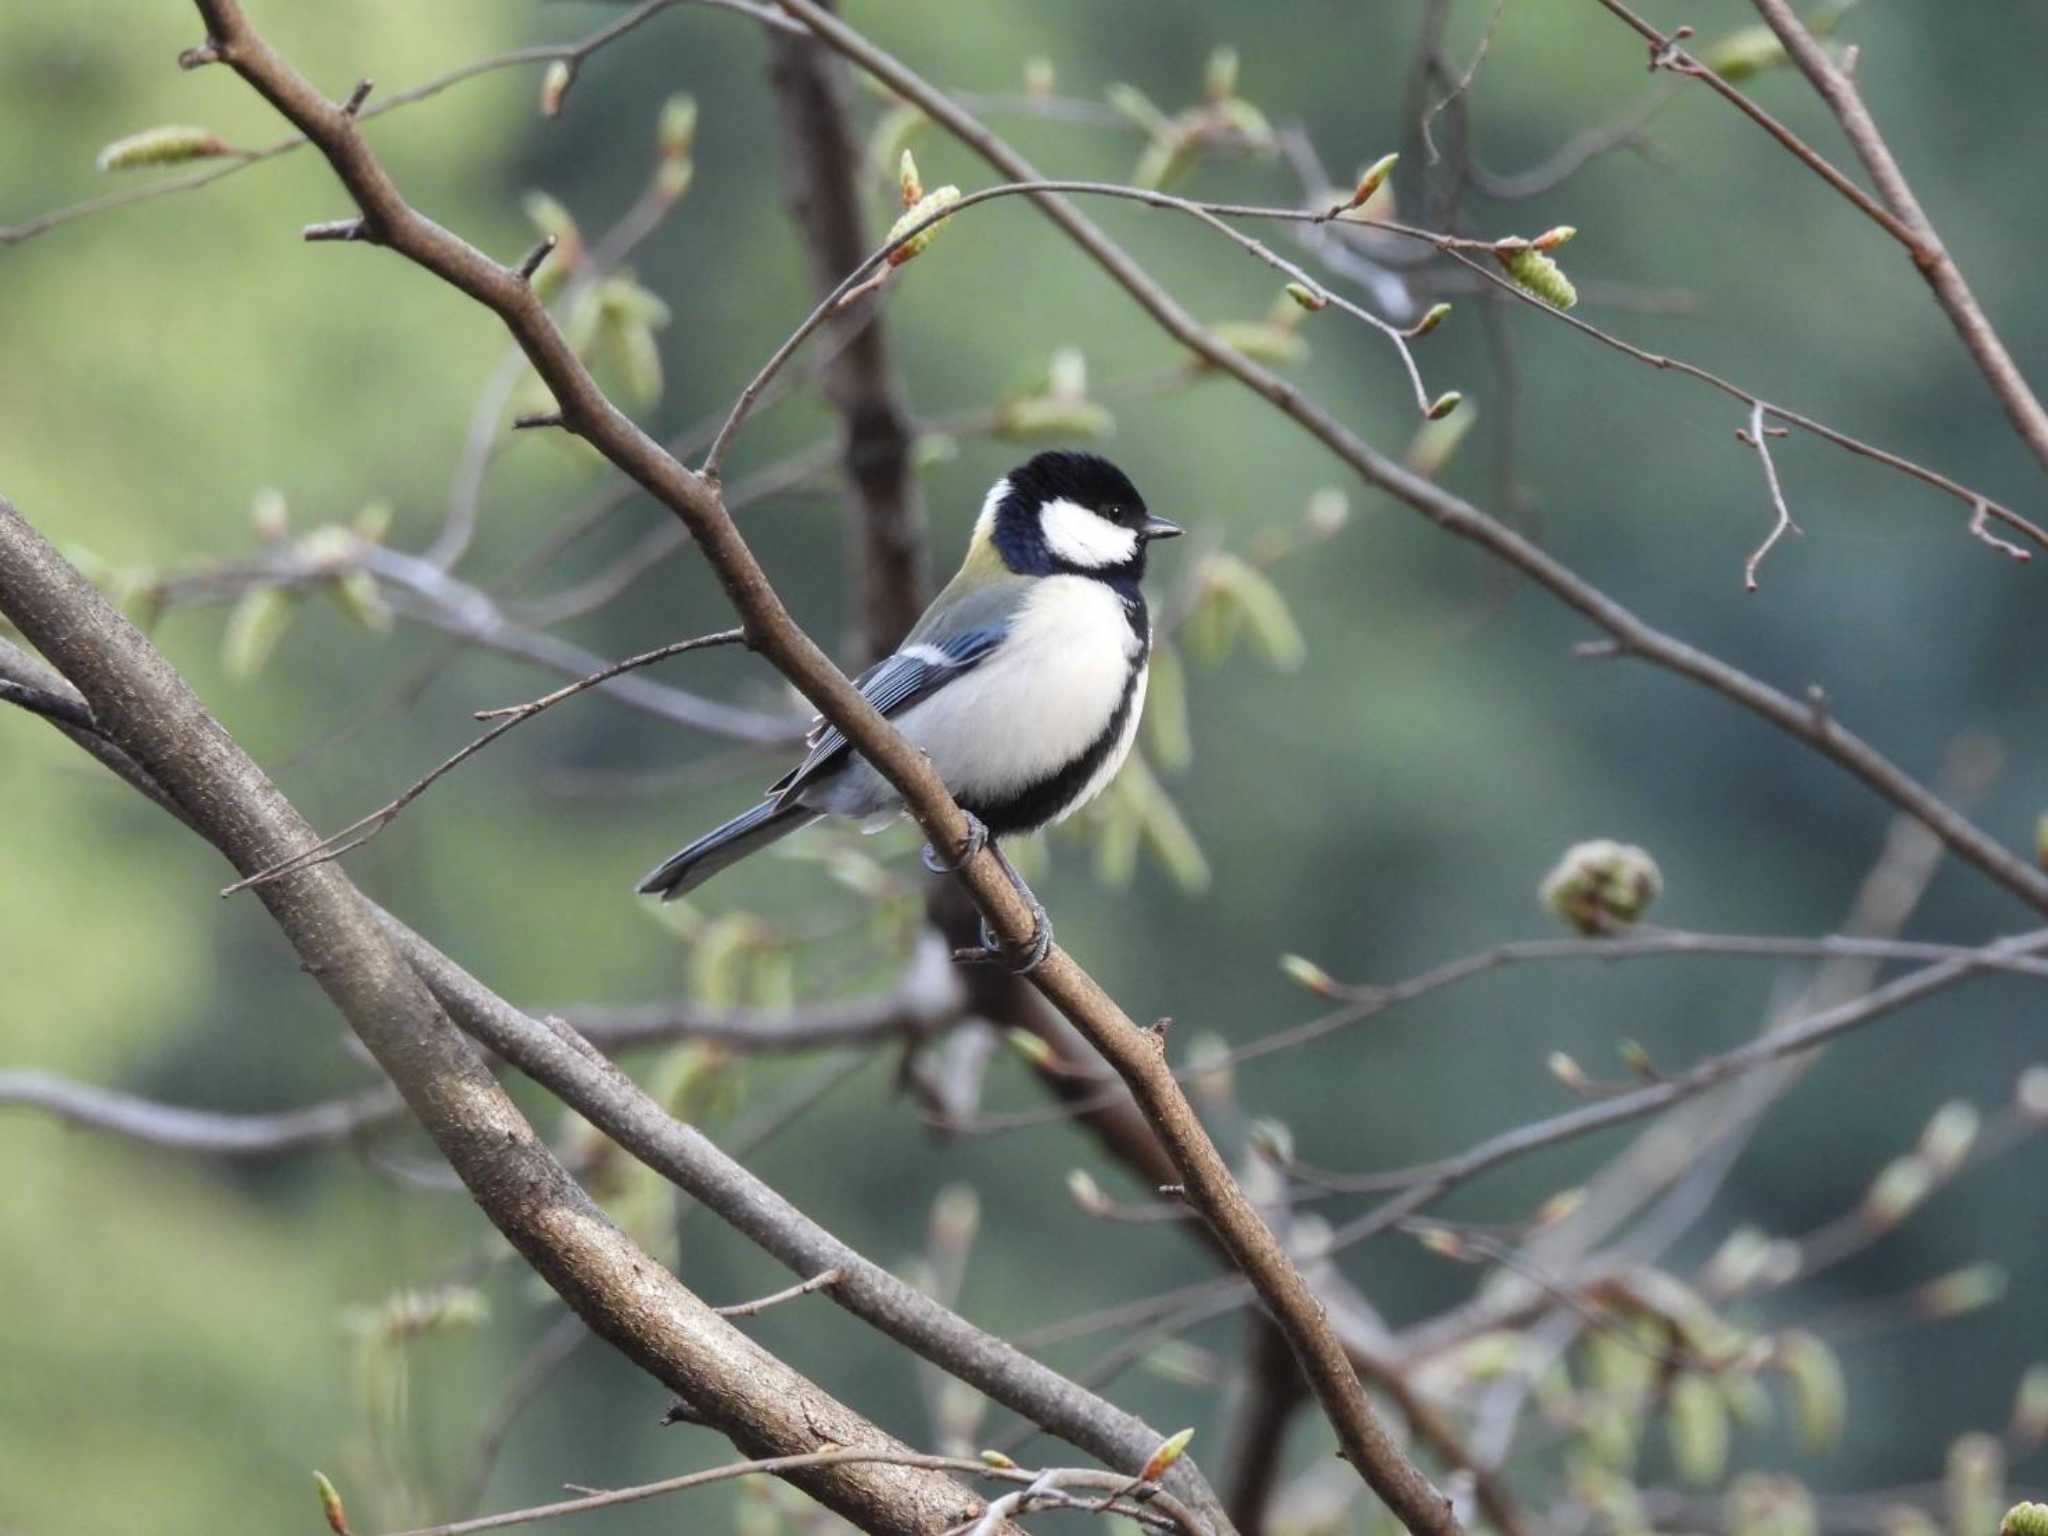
<point x="685" y="871"/>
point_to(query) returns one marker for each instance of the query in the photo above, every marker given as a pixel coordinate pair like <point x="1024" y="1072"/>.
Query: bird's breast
<point x="1042" y="701"/>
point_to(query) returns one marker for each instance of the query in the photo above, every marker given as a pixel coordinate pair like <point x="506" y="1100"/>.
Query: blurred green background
<point x="174" y="1331"/>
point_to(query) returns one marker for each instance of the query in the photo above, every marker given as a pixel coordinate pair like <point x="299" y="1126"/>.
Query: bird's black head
<point x="1070" y="514"/>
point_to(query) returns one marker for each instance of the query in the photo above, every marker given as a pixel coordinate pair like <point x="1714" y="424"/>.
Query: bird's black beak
<point x="1159" y="528"/>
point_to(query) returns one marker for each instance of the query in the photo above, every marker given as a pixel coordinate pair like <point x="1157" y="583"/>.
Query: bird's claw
<point x="1021" y="959"/>
<point x="977" y="839"/>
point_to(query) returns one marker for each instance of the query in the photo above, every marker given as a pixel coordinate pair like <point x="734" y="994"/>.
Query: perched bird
<point x="1023" y="682"/>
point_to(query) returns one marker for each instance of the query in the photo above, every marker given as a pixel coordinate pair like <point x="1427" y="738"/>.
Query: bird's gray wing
<point x="892" y="685"/>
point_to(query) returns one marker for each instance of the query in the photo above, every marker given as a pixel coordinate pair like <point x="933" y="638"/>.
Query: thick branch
<point x="821" y="161"/>
<point x="388" y="219"/>
<point x="565" y="1064"/>
<point x="143" y="705"/>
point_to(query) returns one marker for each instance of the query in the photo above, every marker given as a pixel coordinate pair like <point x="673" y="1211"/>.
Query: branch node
<point x="202" y="54"/>
<point x="357" y="228"/>
<point x="1980" y="529"/>
<point x="357" y="97"/>
<point x="1598" y="650"/>
<point x="540" y="253"/>
<point x="534" y="419"/>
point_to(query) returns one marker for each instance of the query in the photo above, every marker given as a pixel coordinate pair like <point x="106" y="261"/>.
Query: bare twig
<point x="759" y="1304"/>
<point x="215" y="1133"/>
<point x="1758" y="437"/>
<point x="1167" y="1507"/>
<point x="1448" y="512"/>
<point x="361" y="830"/>
<point x="1899" y="214"/>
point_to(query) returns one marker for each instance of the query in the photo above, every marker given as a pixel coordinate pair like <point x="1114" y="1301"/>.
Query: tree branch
<point x="822" y="159"/>
<point x="1450" y="513"/>
<point x="389" y="220"/>
<point x="754" y="1398"/>
<point x="277" y="1134"/>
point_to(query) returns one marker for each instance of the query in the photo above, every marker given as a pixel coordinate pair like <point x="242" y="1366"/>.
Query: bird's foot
<point x="977" y="839"/>
<point x="1020" y="959"/>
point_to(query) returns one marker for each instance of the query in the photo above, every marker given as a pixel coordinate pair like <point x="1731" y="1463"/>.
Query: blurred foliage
<point x="1378" y="776"/>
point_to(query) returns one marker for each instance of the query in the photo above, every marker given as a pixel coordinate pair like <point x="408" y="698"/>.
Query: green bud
<point x="1969" y="1289"/>
<point x="1168" y="1453"/>
<point x="1067" y="374"/>
<point x="269" y="517"/>
<point x="1167" y="734"/>
<point x="956" y="1218"/>
<point x="1137" y="106"/>
<point x="163" y="146"/>
<point x="1820" y="1399"/>
<point x="1304" y="972"/>
<point x="1974" y="1487"/>
<point x="255" y="624"/>
<point x="1329" y="509"/>
<point x="1307" y="297"/>
<point x="1746" y="52"/>
<point x="1220" y="79"/>
<point x="554" y="85"/>
<point x="1086" y="1193"/>
<point x="373" y="522"/>
<point x="2025" y="1520"/>
<point x="1370" y="180"/>
<point x="356" y="590"/>
<point x="996" y="1459"/>
<point x="1253" y="597"/>
<point x="1536" y="273"/>
<point x="1444" y="404"/>
<point x="1759" y="1504"/>
<point x="1568" y="1072"/>
<point x="1180" y="1362"/>
<point x="1948" y="1137"/>
<point x="1897" y="1191"/>
<point x="1165" y="156"/>
<point x="1039" y="78"/>
<point x="2030" y="1093"/>
<point x="1272" y="1140"/>
<point x="1697" y="1423"/>
<point x="1031" y="1047"/>
<point x="1208" y="1070"/>
<point x="1433" y="317"/>
<point x="676" y="129"/>
<point x="1044" y="417"/>
<point x="2030" y="1407"/>
<point x="330" y="1505"/>
<point x="1601" y="886"/>
<point x="1262" y="341"/>
<point x="924" y="208"/>
<point x="1435" y="442"/>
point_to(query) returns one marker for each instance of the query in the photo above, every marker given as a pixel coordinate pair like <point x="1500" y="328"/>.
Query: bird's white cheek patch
<point x="1083" y="538"/>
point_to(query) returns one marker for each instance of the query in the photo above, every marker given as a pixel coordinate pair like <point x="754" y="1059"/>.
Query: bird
<point x="1023" y="683"/>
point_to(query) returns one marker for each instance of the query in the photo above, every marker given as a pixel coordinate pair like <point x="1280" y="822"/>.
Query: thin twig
<point x="817" y="1282"/>
<point x="1165" y="1505"/>
<point x="361" y="830"/>
<point x="1758" y="437"/>
<point x="216" y="1133"/>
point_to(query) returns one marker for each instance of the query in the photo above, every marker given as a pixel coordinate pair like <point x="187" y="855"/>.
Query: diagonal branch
<point x="1899" y="214"/>
<point x="386" y="218"/>
<point x="1448" y="512"/>
<point x="763" y="1405"/>
<point x="222" y="1134"/>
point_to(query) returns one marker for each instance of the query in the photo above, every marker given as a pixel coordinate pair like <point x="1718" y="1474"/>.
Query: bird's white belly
<point x="1041" y="701"/>
<point x="1035" y="706"/>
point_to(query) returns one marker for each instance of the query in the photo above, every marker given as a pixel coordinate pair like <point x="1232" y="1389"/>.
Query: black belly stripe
<point x="1037" y="805"/>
